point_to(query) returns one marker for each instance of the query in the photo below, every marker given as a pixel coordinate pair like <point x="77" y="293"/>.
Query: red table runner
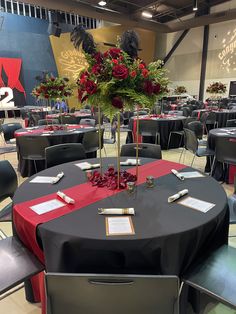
<point x="26" y="220"/>
<point x="41" y="130"/>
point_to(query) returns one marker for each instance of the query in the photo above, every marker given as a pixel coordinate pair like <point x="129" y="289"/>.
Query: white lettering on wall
<point x="228" y="54"/>
<point x="7" y="94"/>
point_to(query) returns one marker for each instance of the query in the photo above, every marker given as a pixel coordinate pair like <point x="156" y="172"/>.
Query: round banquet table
<point x="218" y="172"/>
<point x="73" y="134"/>
<point x="164" y="125"/>
<point x="222" y="115"/>
<point x="168" y="237"/>
<point x="78" y="115"/>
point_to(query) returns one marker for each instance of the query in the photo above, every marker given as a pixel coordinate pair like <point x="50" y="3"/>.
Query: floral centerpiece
<point x="118" y="79"/>
<point x="51" y="88"/>
<point x="180" y="90"/>
<point x="216" y="88"/>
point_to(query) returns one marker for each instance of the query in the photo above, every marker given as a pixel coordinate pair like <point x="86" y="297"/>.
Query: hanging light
<point x="102" y="3"/>
<point x="147" y="14"/>
<point x="195" y="7"/>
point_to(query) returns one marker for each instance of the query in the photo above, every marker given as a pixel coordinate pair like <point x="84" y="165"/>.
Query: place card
<point x="197" y="204"/>
<point x="48" y="206"/>
<point x="116" y="226"/>
<point x="191" y="174"/>
<point x="40" y="179"/>
<point x="87" y="166"/>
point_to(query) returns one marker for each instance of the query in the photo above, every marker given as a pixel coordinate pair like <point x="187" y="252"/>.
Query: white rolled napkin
<point x="58" y="177"/>
<point x="116" y="211"/>
<point x="177" y="196"/>
<point x="130" y="162"/>
<point x="177" y="174"/>
<point x="66" y="198"/>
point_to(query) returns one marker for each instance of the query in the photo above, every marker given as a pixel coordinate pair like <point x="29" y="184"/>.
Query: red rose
<point x="148" y="87"/>
<point x="52" y="79"/>
<point x="98" y="57"/>
<point x="133" y="74"/>
<point x="145" y="73"/>
<point x="141" y="66"/>
<point x="117" y="102"/>
<point x="82" y="95"/>
<point x="120" y="71"/>
<point x="61" y="87"/>
<point x="46" y="96"/>
<point x="113" y="52"/>
<point x="90" y="87"/>
<point x="156" y="88"/>
<point x="96" y="69"/>
<point x="115" y="61"/>
<point x="83" y="77"/>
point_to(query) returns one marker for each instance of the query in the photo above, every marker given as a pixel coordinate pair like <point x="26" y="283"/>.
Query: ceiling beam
<point x="100" y="13"/>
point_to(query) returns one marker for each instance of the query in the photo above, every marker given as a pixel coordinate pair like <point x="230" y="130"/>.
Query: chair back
<point x="17" y="264"/>
<point x="88" y="122"/>
<point x="72" y="110"/>
<point x="96" y="117"/>
<point x="59" y="154"/>
<point x="225" y="149"/>
<point x="211" y="118"/>
<point x="196" y="127"/>
<point x="48" y="121"/>
<point x="148" y="126"/>
<point x="8" y="180"/>
<point x="144" y="150"/>
<point x="32" y="148"/>
<point x="231" y="123"/>
<point x="190" y="141"/>
<point x="116" y="294"/>
<point x="34" y="118"/>
<point x="9" y="129"/>
<point x="67" y="119"/>
<point x="186" y="111"/>
<point x="91" y="141"/>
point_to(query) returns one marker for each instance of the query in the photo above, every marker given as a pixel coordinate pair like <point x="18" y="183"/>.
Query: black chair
<point x="186" y="111"/>
<point x="144" y="150"/>
<point x="180" y="133"/>
<point x="67" y="119"/>
<point x="96" y="117"/>
<point x="149" y="128"/>
<point x="216" y="276"/>
<point x="30" y="149"/>
<point x="191" y="144"/>
<point x="59" y="154"/>
<point x="140" y="113"/>
<point x="231" y="123"/>
<point x="8" y="131"/>
<point x="48" y="121"/>
<point x="72" y="110"/>
<point x="17" y="264"/>
<point x="225" y="152"/>
<point x="33" y="119"/>
<point x="95" y="294"/>
<point x="209" y="121"/>
<point x="88" y="122"/>
<point x="91" y="141"/>
<point x="8" y="186"/>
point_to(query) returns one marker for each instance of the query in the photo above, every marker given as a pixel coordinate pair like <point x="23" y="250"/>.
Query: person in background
<point x="60" y="105"/>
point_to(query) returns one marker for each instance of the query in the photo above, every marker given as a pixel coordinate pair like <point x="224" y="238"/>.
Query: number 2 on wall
<point x="6" y="101"/>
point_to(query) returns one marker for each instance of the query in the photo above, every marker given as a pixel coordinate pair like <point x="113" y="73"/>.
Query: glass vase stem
<point x="118" y="150"/>
<point x="100" y="137"/>
<point x="137" y="136"/>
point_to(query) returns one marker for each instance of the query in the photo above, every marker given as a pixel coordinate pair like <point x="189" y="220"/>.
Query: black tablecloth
<point x="26" y="167"/>
<point x="164" y="127"/>
<point x="168" y="237"/>
<point x="219" y="173"/>
<point x="221" y="116"/>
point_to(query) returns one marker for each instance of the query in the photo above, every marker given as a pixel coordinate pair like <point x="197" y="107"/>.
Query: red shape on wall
<point x="12" y="68"/>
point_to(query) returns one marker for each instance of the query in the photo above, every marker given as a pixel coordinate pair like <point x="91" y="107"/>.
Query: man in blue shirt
<point x="60" y="105"/>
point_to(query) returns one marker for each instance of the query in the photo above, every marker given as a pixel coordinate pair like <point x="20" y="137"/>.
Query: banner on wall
<point x="12" y="92"/>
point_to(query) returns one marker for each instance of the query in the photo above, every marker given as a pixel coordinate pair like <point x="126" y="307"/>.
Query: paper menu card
<point x="116" y="226"/>
<point x="191" y="174"/>
<point x="48" y="206"/>
<point x="196" y="204"/>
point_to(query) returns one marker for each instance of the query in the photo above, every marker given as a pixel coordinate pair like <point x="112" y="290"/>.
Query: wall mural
<point x="72" y="62"/>
<point x="10" y="83"/>
<point x="228" y="54"/>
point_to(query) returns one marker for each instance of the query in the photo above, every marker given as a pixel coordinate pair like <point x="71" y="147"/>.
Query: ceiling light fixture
<point x="102" y="3"/>
<point x="195" y="7"/>
<point x="147" y="14"/>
